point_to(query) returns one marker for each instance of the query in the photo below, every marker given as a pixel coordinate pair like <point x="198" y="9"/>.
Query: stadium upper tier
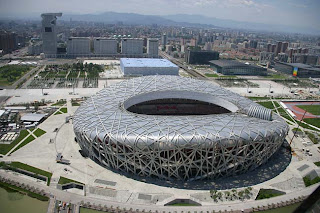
<point x="171" y="127"/>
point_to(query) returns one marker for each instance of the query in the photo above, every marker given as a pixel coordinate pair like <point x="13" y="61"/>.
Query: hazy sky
<point x="284" y="12"/>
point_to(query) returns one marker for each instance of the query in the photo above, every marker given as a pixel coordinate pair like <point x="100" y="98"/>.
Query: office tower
<point x="269" y="47"/>
<point x="78" y="46"/>
<point x="273" y="48"/>
<point x="278" y="48"/>
<point x="266" y="58"/>
<point x="253" y="44"/>
<point x="284" y="47"/>
<point x="200" y="57"/>
<point x="8" y="41"/>
<point x="49" y="33"/>
<point x="132" y="46"/>
<point x="164" y="40"/>
<point x="105" y="46"/>
<point x="193" y="42"/>
<point x="153" y="48"/>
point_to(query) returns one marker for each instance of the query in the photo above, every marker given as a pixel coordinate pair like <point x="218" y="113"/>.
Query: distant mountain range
<point x="183" y="20"/>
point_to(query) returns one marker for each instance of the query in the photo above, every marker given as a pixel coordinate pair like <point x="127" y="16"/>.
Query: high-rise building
<point x="269" y="47"/>
<point x="282" y="57"/>
<point x="253" y="44"/>
<point x="164" y="40"/>
<point x="105" y="46"/>
<point x="200" y="57"/>
<point x="8" y="41"/>
<point x="49" y="33"/>
<point x="284" y="47"/>
<point x="153" y="48"/>
<point x="266" y="58"/>
<point x="193" y="42"/>
<point x="278" y="48"/>
<point x="132" y="47"/>
<point x="273" y="47"/>
<point x="78" y="46"/>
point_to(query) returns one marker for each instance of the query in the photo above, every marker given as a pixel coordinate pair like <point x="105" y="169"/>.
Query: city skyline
<point x="287" y="13"/>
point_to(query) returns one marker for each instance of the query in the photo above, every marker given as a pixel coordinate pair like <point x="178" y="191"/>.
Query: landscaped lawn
<point x="268" y="193"/>
<point x="31" y="169"/>
<point x="60" y="103"/>
<point x="39" y="132"/>
<point x="258" y="98"/>
<point x="313" y="121"/>
<point x="25" y="142"/>
<point x="267" y="104"/>
<point x="313" y="109"/>
<point x="11" y="73"/>
<point x="312" y="136"/>
<point x="308" y="182"/>
<point x="5" y="148"/>
<point x="64" y="180"/>
<point x="211" y="75"/>
<point x="64" y="110"/>
<point x="276" y="76"/>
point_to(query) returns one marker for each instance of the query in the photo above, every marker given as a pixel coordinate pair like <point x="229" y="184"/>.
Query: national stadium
<point x="176" y="128"/>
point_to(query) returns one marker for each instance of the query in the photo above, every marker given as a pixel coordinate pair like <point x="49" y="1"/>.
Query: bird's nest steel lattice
<point x="171" y="127"/>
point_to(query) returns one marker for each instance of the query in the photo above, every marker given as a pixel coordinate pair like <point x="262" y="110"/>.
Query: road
<point x="191" y="72"/>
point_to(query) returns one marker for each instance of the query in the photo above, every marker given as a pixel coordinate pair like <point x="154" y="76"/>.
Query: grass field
<point x="308" y="181"/>
<point x="313" y="137"/>
<point x="63" y="180"/>
<point x="267" y="104"/>
<point x="60" y="103"/>
<point x="39" y="132"/>
<point x="313" y="121"/>
<point x="268" y="193"/>
<point x="313" y="109"/>
<point x="211" y="75"/>
<point x="25" y="142"/>
<point x="5" y="148"/>
<point x="31" y="169"/>
<point x="277" y="76"/>
<point x="64" y="110"/>
<point x="284" y="114"/>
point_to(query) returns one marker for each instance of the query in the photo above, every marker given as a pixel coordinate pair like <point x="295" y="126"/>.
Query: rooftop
<point x="32" y="117"/>
<point x="146" y="62"/>
<point x="231" y="63"/>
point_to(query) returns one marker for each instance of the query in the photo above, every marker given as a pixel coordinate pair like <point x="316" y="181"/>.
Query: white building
<point x="49" y="33"/>
<point x="105" y="46"/>
<point x="148" y="66"/>
<point x="153" y="48"/>
<point x="132" y="47"/>
<point x="78" y="46"/>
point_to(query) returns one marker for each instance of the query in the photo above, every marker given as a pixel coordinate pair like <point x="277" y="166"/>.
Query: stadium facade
<point x="171" y="127"/>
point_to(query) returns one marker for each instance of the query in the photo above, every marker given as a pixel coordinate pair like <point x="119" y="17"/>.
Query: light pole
<point x="269" y="88"/>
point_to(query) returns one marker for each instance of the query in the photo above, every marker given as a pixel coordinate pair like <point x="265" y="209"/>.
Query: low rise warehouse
<point x="148" y="66"/>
